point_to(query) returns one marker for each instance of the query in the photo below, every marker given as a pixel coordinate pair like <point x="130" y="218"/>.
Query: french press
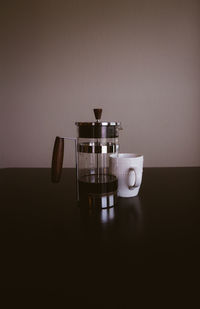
<point x="96" y="141"/>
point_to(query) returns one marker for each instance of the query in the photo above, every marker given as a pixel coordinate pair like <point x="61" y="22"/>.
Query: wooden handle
<point x="57" y="159"/>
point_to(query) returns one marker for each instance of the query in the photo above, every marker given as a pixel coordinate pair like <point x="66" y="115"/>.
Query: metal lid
<point x="98" y="129"/>
<point x="102" y="124"/>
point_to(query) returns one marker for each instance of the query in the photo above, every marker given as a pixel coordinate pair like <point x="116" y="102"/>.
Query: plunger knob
<point x="97" y="113"/>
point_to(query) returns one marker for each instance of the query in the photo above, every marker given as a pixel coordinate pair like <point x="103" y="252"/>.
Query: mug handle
<point x="132" y="173"/>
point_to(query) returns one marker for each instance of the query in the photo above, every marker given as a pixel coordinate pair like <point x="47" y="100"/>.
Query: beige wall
<point x="138" y="60"/>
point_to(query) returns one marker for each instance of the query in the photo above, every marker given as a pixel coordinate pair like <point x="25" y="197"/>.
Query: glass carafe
<point x="94" y="144"/>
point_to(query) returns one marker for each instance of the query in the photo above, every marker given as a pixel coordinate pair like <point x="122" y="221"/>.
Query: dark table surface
<point x="145" y="249"/>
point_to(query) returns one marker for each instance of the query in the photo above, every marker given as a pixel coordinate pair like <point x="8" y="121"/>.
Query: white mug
<point x="128" y="168"/>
